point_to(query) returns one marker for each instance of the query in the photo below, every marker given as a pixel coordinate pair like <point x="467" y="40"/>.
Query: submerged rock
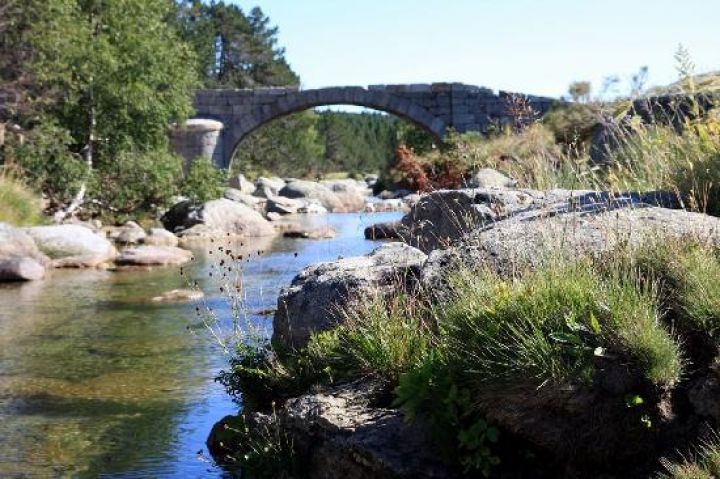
<point x="314" y="299"/>
<point x="177" y="295"/>
<point x="216" y="218"/>
<point x="388" y="230"/>
<point x="72" y="246"/>
<point x="153" y="255"/>
<point x="322" y="232"/>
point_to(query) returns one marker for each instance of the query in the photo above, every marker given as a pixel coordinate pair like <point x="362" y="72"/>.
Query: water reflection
<point x="97" y="379"/>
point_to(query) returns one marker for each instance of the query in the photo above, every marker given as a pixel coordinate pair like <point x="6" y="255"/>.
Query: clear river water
<point x="97" y="380"/>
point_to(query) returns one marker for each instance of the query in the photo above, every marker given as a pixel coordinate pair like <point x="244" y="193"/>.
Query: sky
<point x="526" y="46"/>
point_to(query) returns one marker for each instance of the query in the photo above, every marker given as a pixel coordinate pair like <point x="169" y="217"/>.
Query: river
<point x="97" y="380"/>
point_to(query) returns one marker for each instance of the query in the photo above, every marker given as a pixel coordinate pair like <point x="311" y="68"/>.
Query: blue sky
<point x="528" y="46"/>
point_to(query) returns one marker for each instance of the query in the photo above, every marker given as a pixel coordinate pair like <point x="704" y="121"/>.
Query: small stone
<point x="177" y="295"/>
<point x="323" y="232"/>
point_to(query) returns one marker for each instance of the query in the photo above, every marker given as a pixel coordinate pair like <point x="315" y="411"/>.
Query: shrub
<point x="18" y="204"/>
<point x="46" y="162"/>
<point x="204" y="181"/>
<point x="573" y="124"/>
<point x="530" y="156"/>
<point x="137" y="180"/>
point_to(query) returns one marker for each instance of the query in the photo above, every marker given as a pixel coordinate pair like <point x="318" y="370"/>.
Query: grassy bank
<point x="19" y="205"/>
<point x="625" y="331"/>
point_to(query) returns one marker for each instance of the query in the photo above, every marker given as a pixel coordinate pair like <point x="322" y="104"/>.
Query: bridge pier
<point x="196" y="138"/>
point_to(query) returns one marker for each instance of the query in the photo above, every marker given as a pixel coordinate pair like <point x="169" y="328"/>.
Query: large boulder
<point x="267" y="187"/>
<point x="160" y="237"/>
<point x="153" y="256"/>
<point x="216" y="218"/>
<point x="20" y="258"/>
<point x="534" y="237"/>
<point x="315" y="298"/>
<point x="72" y="246"/>
<point x="283" y="206"/>
<point x="490" y="178"/>
<point x="21" y="269"/>
<point x="254" y="202"/>
<point x="444" y="216"/>
<point x="338" y="433"/>
<point x="242" y="184"/>
<point x="17" y="243"/>
<point x="311" y="190"/>
<point x="351" y="193"/>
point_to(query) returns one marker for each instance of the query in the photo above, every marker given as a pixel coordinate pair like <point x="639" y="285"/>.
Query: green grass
<point x="688" y="273"/>
<point x="18" y="204"/>
<point x="548" y="325"/>
<point x="705" y="464"/>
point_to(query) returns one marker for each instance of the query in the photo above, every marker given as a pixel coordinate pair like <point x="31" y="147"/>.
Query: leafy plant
<point x="203" y="182"/>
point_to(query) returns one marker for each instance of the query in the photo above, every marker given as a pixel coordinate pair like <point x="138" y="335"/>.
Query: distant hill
<point x="703" y="83"/>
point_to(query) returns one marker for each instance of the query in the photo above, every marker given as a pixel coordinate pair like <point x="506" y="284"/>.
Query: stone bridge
<point x="224" y="117"/>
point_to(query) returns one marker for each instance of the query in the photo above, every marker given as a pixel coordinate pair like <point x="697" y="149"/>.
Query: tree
<point x="234" y="49"/>
<point x="123" y="72"/>
<point x="579" y="91"/>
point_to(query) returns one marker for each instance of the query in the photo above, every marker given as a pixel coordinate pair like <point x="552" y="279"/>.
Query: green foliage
<point x="260" y="375"/>
<point x="312" y="144"/>
<point x="137" y="181"/>
<point x="687" y="272"/>
<point x="18" y="204"/>
<point x="572" y="124"/>
<point x="234" y="49"/>
<point x="579" y="91"/>
<point x="204" y="181"/>
<point x="124" y="73"/>
<point x="288" y="146"/>
<point x="531" y="157"/>
<point x="47" y="162"/>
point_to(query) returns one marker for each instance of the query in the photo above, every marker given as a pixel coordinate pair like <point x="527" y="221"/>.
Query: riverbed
<point x="96" y="379"/>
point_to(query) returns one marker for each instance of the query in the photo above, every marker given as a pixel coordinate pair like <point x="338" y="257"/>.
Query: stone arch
<point x="260" y="113"/>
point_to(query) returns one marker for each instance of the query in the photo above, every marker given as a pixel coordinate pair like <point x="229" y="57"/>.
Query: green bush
<point x="46" y="162"/>
<point x="531" y="157"/>
<point x="137" y="181"/>
<point x="204" y="181"/>
<point x="573" y="124"/>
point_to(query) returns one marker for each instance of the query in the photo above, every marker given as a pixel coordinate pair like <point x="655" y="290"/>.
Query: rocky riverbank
<point x="248" y="211"/>
<point x="567" y="429"/>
